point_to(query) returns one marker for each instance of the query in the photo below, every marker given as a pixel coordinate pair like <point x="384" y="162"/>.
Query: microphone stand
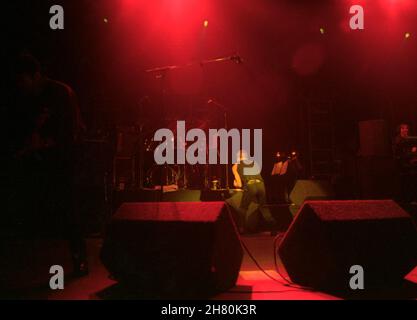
<point x="224" y="110"/>
<point x="226" y="166"/>
<point x="235" y="58"/>
<point x="161" y="74"/>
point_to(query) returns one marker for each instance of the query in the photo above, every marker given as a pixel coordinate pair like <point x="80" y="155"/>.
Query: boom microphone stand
<point x="161" y="74"/>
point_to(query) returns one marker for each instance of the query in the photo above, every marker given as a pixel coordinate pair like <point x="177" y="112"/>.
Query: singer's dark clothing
<point x="245" y="178"/>
<point x="253" y="192"/>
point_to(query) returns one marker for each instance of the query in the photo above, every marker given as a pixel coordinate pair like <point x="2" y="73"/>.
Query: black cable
<point x="277" y="268"/>
<point x="248" y="251"/>
<point x="288" y="283"/>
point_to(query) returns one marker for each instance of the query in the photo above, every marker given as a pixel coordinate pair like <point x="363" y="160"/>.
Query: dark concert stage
<point x="252" y="282"/>
<point x="208" y="149"/>
<point x="260" y="276"/>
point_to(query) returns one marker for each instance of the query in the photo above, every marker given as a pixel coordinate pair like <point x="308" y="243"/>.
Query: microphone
<point x="213" y="102"/>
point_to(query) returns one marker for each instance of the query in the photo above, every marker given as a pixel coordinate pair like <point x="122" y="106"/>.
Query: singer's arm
<point x="237" y="183"/>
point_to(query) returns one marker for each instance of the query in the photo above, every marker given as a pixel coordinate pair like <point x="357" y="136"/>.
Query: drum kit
<point x="135" y="144"/>
<point x="135" y="167"/>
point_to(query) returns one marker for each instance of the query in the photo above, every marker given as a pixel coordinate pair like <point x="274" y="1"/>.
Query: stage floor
<point x="252" y="284"/>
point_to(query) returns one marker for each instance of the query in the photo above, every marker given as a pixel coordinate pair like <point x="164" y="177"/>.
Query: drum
<point x="159" y="175"/>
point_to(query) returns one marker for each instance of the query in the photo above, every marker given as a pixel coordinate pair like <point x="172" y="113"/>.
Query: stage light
<point x="407" y="35"/>
<point x="105" y="20"/>
<point x="322" y="30"/>
<point x="205" y="23"/>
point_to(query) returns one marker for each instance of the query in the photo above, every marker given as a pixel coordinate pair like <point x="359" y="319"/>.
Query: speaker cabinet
<point x="173" y="249"/>
<point x="311" y="190"/>
<point x="326" y="238"/>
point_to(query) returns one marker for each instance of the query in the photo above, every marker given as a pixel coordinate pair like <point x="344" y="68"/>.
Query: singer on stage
<point x="253" y="192"/>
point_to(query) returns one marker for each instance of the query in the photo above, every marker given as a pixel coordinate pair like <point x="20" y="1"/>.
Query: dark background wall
<point x="107" y="44"/>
